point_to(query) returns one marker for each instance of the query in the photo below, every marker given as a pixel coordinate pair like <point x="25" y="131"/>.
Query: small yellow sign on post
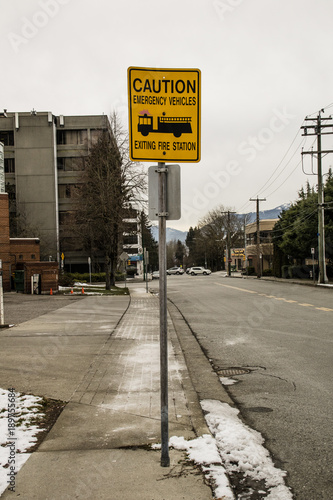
<point x="164" y="114"/>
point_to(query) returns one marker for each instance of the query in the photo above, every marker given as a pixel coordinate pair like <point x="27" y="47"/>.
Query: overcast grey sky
<point x="265" y="65"/>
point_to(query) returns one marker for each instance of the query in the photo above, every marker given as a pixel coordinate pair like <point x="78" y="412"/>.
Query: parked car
<point x="175" y="270"/>
<point x="155" y="275"/>
<point x="199" y="270"/>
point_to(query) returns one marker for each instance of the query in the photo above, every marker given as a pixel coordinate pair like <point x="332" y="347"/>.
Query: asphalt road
<point x="280" y="335"/>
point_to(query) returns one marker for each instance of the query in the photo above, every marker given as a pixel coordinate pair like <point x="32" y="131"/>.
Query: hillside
<point x="175" y="234"/>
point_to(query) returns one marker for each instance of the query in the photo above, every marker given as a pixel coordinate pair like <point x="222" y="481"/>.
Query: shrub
<point x="250" y="270"/>
<point x="267" y="272"/>
<point x="285" y="272"/>
<point x="65" y="279"/>
<point x="329" y="270"/>
<point x="120" y="276"/>
<point x="299" y="272"/>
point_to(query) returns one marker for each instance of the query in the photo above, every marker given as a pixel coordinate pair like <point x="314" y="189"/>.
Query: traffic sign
<point x="123" y="256"/>
<point x="173" y="203"/>
<point x="164" y="114"/>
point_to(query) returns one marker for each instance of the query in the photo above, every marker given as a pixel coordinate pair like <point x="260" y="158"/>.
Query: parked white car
<point x="199" y="270"/>
<point x="175" y="270"/>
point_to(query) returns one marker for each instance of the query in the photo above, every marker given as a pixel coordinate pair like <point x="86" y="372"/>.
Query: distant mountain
<point x="171" y="234"/>
<point x="273" y="213"/>
<point x="175" y="234"/>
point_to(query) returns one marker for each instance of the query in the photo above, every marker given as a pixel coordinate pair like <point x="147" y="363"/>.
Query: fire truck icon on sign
<point x="175" y="125"/>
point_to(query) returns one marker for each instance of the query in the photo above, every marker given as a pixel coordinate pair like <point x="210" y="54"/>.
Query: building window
<point x="73" y="164"/>
<point x="21" y="257"/>
<point x="7" y="137"/>
<point x="73" y="137"/>
<point x="69" y="244"/>
<point x="66" y="190"/>
<point x="9" y="165"/>
<point x="95" y="134"/>
<point x="130" y="213"/>
<point x="61" y="163"/>
<point x="33" y="256"/>
<point x="130" y="227"/>
<point x="130" y="239"/>
<point x="132" y="250"/>
<point x="65" y="218"/>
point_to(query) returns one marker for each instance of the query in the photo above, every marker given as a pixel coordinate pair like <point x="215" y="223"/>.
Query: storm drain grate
<point x="229" y="372"/>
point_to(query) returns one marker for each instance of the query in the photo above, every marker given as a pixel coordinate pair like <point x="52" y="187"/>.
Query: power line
<point x="322" y="109"/>
<point x="291" y="173"/>
<point x="275" y="170"/>
<point x="267" y="184"/>
<point x="302" y="141"/>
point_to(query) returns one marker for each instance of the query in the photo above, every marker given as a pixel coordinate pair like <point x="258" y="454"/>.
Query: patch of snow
<point x="17" y="434"/>
<point x="241" y="449"/>
<point x="227" y="381"/>
<point x="204" y="452"/>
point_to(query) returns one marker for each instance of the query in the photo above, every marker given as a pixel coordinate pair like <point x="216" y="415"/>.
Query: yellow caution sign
<point x="164" y="114"/>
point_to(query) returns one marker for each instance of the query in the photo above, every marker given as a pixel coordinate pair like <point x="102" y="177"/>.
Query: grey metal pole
<point x="229" y="245"/>
<point x="162" y="213"/>
<point x="321" y="221"/>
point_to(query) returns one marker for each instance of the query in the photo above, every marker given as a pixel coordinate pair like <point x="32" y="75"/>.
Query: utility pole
<point x="316" y="128"/>
<point x="245" y="251"/>
<point x="257" y="200"/>
<point x="228" y="240"/>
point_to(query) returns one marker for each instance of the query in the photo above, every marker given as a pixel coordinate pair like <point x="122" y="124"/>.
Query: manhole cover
<point x="229" y="372"/>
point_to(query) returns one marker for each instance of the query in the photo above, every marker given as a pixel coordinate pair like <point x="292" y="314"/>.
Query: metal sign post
<point x="313" y="267"/>
<point x="124" y="257"/>
<point x="162" y="215"/>
<point x="145" y="263"/>
<point x="89" y="264"/>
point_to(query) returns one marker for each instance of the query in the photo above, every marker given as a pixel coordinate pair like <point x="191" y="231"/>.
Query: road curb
<point x="203" y="382"/>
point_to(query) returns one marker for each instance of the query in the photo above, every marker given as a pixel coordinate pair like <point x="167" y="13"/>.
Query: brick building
<point x="5" y="242"/>
<point x="22" y="255"/>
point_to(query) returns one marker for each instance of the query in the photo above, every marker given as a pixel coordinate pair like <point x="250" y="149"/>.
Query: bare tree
<point x="134" y="177"/>
<point x="213" y="236"/>
<point x="109" y="185"/>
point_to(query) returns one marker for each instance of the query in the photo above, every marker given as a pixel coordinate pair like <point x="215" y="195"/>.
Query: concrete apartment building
<point x="43" y="156"/>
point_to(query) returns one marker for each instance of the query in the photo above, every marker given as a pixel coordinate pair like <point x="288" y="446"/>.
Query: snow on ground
<point x="232" y="448"/>
<point x="241" y="449"/>
<point x="17" y="433"/>
<point x="203" y="450"/>
<point x="227" y="381"/>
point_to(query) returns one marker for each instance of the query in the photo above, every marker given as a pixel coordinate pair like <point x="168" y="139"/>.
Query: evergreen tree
<point x="296" y="232"/>
<point x="149" y="242"/>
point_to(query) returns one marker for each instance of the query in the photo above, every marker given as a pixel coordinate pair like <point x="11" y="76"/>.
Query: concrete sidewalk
<point x="101" y="354"/>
